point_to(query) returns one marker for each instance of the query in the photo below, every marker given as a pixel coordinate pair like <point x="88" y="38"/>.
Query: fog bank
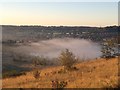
<point x="52" y="48"/>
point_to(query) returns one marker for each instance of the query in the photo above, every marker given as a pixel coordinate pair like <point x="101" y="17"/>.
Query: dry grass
<point x="91" y="74"/>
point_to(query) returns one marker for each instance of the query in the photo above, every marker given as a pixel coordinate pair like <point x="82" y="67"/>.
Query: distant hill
<point x="35" y="33"/>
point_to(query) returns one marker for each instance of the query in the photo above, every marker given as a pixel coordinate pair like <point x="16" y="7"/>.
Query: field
<point x="59" y="45"/>
<point x="98" y="73"/>
<point x="22" y="46"/>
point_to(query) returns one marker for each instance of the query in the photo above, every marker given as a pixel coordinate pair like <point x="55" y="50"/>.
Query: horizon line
<point x="57" y="25"/>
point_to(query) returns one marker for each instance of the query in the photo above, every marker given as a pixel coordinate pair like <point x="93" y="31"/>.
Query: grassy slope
<point x="96" y="73"/>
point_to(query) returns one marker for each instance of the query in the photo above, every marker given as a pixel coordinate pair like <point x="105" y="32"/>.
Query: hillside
<point x="26" y="34"/>
<point x="97" y="73"/>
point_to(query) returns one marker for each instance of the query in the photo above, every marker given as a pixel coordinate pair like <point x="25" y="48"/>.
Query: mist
<point x="81" y="48"/>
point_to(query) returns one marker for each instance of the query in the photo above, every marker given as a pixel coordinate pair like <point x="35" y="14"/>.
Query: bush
<point x="67" y="59"/>
<point x="36" y="74"/>
<point x="109" y="49"/>
<point x="20" y="57"/>
<point x="58" y="84"/>
<point x="39" y="61"/>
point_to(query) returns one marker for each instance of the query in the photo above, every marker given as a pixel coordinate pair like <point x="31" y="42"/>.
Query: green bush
<point x="39" y="61"/>
<point x="67" y="59"/>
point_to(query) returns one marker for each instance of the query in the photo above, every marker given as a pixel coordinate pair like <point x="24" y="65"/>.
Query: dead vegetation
<point x="98" y="73"/>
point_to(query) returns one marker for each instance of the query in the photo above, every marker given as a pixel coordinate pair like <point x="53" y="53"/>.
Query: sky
<point x="59" y="13"/>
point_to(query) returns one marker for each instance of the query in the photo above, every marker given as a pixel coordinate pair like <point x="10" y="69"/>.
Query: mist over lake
<point x="52" y="48"/>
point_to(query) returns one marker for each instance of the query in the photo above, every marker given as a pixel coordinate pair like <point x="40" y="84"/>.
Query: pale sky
<point x="60" y="13"/>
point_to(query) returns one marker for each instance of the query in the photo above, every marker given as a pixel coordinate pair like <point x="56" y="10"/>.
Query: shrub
<point x="67" y="59"/>
<point x="61" y="71"/>
<point x="20" y="57"/>
<point x="36" y="74"/>
<point x="109" y="49"/>
<point x="58" y="84"/>
<point x="39" y="61"/>
<point x="110" y="84"/>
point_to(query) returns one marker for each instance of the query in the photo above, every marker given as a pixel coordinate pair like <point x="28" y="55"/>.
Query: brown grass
<point x="98" y="73"/>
